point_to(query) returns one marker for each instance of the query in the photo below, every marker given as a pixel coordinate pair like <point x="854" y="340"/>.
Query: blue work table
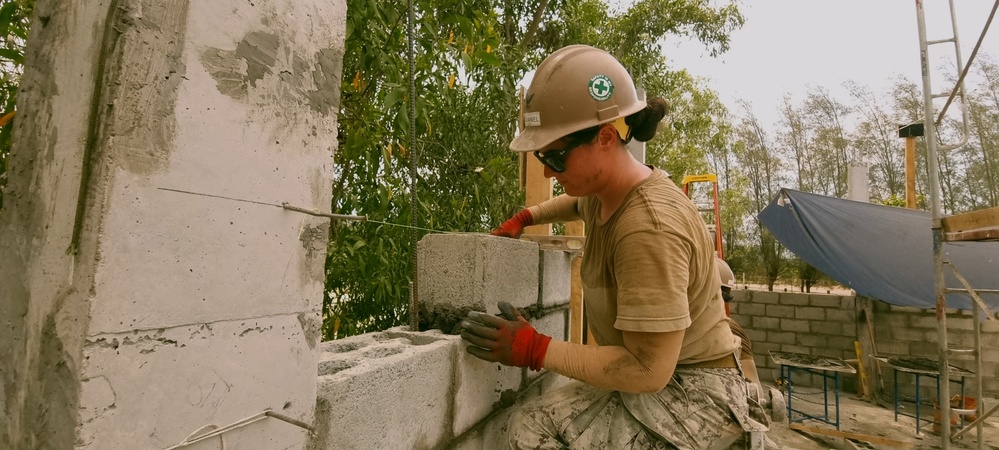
<point x="921" y="367"/>
<point x="827" y="367"/>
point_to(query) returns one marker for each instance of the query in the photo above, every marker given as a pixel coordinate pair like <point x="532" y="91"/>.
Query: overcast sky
<point x="787" y="45"/>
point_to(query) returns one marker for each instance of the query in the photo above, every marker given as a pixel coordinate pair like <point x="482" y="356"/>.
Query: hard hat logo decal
<point x="601" y="87"/>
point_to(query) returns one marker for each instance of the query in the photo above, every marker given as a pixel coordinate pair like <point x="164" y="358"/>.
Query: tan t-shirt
<point x="649" y="268"/>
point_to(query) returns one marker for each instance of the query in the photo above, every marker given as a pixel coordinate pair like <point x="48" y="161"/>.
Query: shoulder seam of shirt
<point x="653" y="214"/>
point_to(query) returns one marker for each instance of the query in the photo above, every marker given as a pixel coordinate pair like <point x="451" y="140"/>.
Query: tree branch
<point x="532" y="28"/>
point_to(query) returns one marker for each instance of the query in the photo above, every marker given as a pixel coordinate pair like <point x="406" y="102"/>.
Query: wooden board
<point x="981" y="234"/>
<point x="980" y="225"/>
<point x="538" y="190"/>
<point x="851" y="435"/>
<point x="571" y="244"/>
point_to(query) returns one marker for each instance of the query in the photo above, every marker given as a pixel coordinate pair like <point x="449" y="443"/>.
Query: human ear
<point x="607" y="136"/>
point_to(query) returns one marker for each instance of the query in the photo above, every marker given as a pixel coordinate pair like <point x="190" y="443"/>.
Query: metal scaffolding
<point x="975" y="226"/>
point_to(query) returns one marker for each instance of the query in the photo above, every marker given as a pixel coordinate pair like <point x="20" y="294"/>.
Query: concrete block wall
<point x="813" y="324"/>
<point x="828" y="325"/>
<point x="908" y="331"/>
<point x="421" y="389"/>
<point x="151" y="285"/>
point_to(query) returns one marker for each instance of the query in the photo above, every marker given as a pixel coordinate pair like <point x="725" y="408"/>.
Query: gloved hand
<point x="512" y="342"/>
<point x="514" y="227"/>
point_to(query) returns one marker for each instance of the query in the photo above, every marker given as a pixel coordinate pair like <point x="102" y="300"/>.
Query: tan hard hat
<point x="725" y="273"/>
<point x="573" y="89"/>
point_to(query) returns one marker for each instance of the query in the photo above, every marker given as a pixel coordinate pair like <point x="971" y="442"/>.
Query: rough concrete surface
<point x="171" y="310"/>
<point x="461" y="272"/>
<point x="150" y="389"/>
<point x="44" y="290"/>
<point x="480" y="387"/>
<point x="556" y="279"/>
<point x="388" y="394"/>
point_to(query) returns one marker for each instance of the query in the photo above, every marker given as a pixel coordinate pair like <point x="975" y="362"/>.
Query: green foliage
<point x="14" y="22"/>
<point x="470" y="58"/>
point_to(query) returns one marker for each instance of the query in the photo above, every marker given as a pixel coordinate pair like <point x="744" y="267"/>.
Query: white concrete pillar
<point x="177" y="310"/>
<point x="858" y="182"/>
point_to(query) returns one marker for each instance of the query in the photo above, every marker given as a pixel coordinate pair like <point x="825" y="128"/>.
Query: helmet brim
<point x="532" y="139"/>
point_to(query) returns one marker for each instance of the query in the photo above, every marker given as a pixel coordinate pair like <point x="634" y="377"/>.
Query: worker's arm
<point x="746" y="359"/>
<point x="562" y="208"/>
<point x="559" y="209"/>
<point x="644" y="364"/>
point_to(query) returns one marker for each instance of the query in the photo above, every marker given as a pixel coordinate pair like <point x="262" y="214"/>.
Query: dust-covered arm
<point x="644" y="364"/>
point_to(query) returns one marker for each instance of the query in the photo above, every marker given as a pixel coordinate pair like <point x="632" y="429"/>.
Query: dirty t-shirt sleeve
<point x="651" y="268"/>
<point x="563" y="208"/>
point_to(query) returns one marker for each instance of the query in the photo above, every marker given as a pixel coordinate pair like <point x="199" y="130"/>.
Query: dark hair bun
<point x="644" y="123"/>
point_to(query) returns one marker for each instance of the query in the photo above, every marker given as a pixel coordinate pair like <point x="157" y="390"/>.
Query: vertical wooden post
<point x="538" y="190"/>
<point x="910" y="172"/>
<point x="576" y="296"/>
<point x="910" y="132"/>
<point x="532" y="179"/>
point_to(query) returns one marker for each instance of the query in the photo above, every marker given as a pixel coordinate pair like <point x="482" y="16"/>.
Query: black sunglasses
<point x="555" y="159"/>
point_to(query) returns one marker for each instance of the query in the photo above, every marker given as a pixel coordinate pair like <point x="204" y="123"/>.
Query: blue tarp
<point x="881" y="252"/>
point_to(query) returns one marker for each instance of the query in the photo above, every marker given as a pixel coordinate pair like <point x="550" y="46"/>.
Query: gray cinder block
<point x="463" y="272"/>
<point x="556" y="277"/>
<point x="392" y="395"/>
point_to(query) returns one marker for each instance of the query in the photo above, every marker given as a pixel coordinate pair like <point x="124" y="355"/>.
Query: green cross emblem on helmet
<point x="601" y="87"/>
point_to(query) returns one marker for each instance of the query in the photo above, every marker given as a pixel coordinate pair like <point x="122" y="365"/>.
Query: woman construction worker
<point x="663" y="374"/>
<point x="747" y="363"/>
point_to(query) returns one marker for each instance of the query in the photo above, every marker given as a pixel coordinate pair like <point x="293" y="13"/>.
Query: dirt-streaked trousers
<point x="698" y="409"/>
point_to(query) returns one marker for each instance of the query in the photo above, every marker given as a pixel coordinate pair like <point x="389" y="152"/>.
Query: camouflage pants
<point x="698" y="409"/>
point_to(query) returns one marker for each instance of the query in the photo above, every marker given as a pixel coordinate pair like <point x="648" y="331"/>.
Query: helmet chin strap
<point x="623" y="130"/>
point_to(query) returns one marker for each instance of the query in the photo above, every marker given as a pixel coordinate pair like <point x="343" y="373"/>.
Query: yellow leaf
<point x="450" y="81"/>
<point x="402" y="151"/>
<point x="357" y="81"/>
<point x="450" y="39"/>
<point x="489" y="49"/>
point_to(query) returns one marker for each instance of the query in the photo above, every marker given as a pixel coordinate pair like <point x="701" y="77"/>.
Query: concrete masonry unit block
<point x="463" y="272"/>
<point x="404" y="389"/>
<point x="556" y="277"/>
<point x="480" y="388"/>
<point x="391" y="389"/>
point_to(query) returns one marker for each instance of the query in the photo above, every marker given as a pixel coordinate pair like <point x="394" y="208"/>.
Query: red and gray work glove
<point x="511" y="341"/>
<point x="514" y="227"/>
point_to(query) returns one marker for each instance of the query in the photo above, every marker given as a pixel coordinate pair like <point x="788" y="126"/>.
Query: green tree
<point x="15" y="17"/>
<point x="766" y="173"/>
<point x="470" y="57"/>
<point x="827" y="117"/>
<point x="876" y="137"/>
<point x="983" y="148"/>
